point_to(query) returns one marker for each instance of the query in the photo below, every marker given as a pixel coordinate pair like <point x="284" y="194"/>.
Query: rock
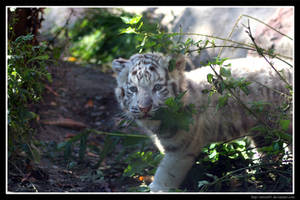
<point x="283" y="21"/>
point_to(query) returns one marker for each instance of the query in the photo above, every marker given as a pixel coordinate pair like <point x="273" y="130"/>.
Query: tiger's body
<point x="144" y="83"/>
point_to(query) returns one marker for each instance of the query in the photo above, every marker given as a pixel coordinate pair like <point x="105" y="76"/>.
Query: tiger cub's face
<point x="144" y="84"/>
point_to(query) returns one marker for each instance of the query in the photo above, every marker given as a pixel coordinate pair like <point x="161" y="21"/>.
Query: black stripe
<point x="174" y="88"/>
<point x="220" y="132"/>
<point x="191" y="87"/>
<point x="166" y="135"/>
<point x="186" y="143"/>
<point x="172" y="148"/>
<point x="244" y="119"/>
<point x="152" y="58"/>
<point x="233" y="130"/>
<point x="167" y="74"/>
<point x="164" y="92"/>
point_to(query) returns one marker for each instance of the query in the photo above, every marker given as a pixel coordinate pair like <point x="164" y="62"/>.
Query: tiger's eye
<point x="157" y="87"/>
<point x="133" y="89"/>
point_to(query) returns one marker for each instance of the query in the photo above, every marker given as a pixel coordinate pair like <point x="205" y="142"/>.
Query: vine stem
<point x="268" y="26"/>
<point x="116" y="134"/>
<point x="240" y="47"/>
<point x="243" y="45"/>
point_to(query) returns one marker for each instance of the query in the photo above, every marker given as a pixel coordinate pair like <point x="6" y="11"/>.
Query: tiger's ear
<point x="119" y="64"/>
<point x="177" y="62"/>
<point x="180" y="62"/>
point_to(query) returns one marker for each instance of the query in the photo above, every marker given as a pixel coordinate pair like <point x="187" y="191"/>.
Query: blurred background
<point x="91" y="30"/>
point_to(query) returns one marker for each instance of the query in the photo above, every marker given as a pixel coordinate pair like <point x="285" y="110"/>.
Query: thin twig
<point x="274" y="90"/>
<point x="258" y="49"/>
<point x="62" y="28"/>
<point x="235" y="25"/>
<point x="268" y="26"/>
<point x="227" y="40"/>
<point x="219" y="54"/>
<point x="246" y="48"/>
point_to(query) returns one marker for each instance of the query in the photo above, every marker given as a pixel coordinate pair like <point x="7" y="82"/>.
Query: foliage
<point x="235" y="166"/>
<point x="26" y="74"/>
<point x="154" y="39"/>
<point x="140" y="163"/>
<point x="175" y="116"/>
<point x="81" y="144"/>
<point x="95" y="38"/>
<point x="94" y="176"/>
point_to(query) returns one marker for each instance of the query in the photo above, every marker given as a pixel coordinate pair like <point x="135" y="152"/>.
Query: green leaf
<point x="24" y="38"/>
<point x="285" y="136"/>
<point x="284" y="123"/>
<point x="68" y="150"/>
<point x="126" y="19"/>
<point x="144" y="41"/>
<point x="175" y="116"/>
<point x="206" y="43"/>
<point x="128" y="30"/>
<point x="213" y="154"/>
<point x="134" y="20"/>
<point x="222" y="101"/>
<point x="234" y="156"/>
<point x="276" y="146"/>
<point x="205" y="91"/>
<point x="172" y="64"/>
<point x="266" y="148"/>
<point x="61" y="145"/>
<point x="35" y="153"/>
<point x="241" y="143"/>
<point x="179" y="97"/>
<point x="225" y="72"/>
<point x="82" y="146"/>
<point x="140" y="26"/>
<point x="259" y="128"/>
<point x="202" y="183"/>
<point x="210" y="78"/>
<point x="211" y="176"/>
<point x="212" y="146"/>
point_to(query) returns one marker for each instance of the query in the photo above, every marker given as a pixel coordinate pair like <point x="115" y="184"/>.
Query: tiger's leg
<point x="171" y="172"/>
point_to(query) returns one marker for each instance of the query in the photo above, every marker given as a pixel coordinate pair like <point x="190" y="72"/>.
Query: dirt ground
<point x="78" y="98"/>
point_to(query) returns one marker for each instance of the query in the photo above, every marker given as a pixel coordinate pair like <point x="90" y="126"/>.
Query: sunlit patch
<point x="71" y="59"/>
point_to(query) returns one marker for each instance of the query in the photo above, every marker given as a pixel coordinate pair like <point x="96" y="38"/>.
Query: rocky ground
<point x="78" y="98"/>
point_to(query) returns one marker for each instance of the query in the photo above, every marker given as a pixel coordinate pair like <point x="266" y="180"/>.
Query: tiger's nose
<point x="145" y="109"/>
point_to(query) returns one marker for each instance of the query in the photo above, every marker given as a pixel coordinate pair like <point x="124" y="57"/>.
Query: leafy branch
<point x="233" y="94"/>
<point x="251" y="167"/>
<point x="260" y="52"/>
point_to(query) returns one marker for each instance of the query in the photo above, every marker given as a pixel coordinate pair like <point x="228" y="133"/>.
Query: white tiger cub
<point x="143" y="85"/>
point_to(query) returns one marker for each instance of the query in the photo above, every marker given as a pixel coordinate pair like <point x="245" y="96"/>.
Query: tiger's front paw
<point x="158" y="188"/>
